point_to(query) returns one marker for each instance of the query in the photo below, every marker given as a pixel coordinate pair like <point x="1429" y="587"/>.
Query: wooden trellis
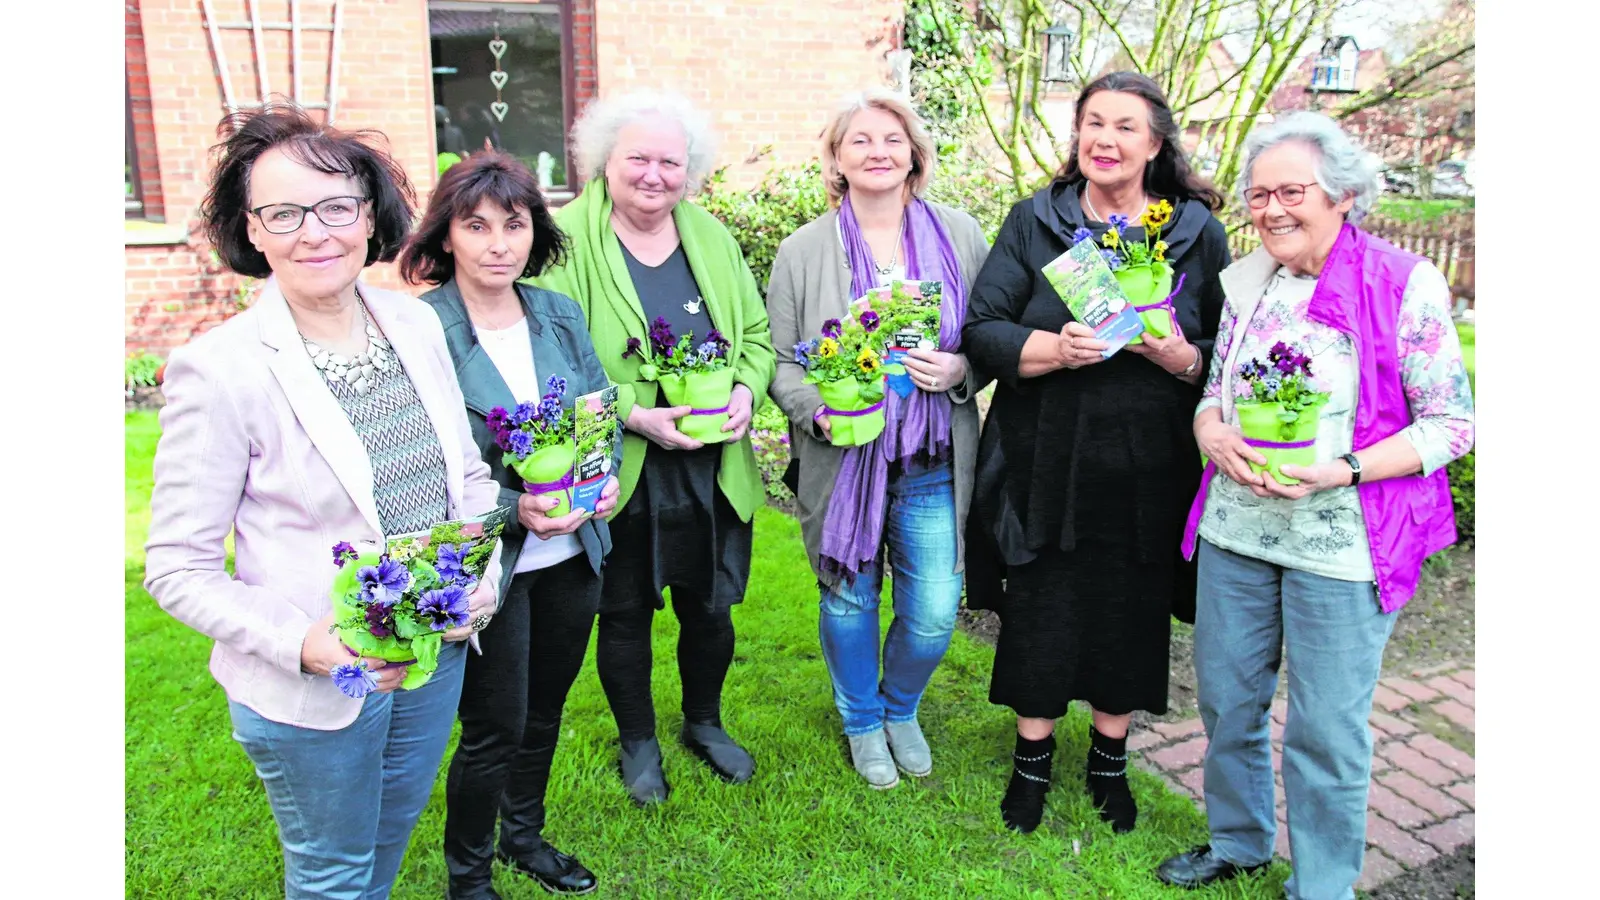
<point x="257" y="29"/>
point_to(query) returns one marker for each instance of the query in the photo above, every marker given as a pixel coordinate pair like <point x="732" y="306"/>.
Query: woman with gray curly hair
<point x="644" y="262"/>
<point x="1318" y="562"/>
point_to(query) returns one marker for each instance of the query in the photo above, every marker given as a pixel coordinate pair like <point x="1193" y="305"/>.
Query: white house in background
<point x="1335" y="67"/>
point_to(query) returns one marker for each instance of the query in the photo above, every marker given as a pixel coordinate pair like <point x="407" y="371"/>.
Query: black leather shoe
<point x="730" y="761"/>
<point x="481" y="893"/>
<point x="1200" y="867"/>
<point x="641" y="772"/>
<point x="555" y="871"/>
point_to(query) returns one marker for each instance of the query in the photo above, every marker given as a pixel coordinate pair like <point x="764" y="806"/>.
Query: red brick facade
<point x="767" y="73"/>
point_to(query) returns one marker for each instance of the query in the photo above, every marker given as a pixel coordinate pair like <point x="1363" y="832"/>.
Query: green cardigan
<point x="596" y="276"/>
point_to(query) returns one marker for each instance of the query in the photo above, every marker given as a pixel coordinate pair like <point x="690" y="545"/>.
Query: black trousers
<point x="510" y="711"/>
<point x="705" y="650"/>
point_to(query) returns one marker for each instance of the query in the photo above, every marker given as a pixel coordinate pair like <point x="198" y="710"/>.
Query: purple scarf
<point x="915" y="427"/>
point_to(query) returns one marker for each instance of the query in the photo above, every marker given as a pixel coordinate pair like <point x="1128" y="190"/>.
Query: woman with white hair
<point x="641" y="254"/>
<point x="1318" y="568"/>
<point x="901" y="499"/>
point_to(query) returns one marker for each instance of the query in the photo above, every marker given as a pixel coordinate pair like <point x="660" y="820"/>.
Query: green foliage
<point x="761" y="218"/>
<point x="141" y="369"/>
<point x="944" y="67"/>
<point x="769" y="432"/>
<point x="1413" y="209"/>
<point x="1462" y="488"/>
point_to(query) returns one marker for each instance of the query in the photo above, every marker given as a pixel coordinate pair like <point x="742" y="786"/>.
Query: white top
<point x="511" y="350"/>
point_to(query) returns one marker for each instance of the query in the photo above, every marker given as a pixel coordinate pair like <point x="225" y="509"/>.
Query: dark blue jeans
<point x="919" y="532"/>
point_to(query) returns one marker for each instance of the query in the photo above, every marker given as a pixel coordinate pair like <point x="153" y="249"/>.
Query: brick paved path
<point x="1421" y="800"/>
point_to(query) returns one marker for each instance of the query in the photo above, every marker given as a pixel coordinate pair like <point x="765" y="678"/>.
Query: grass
<point x="1415" y="209"/>
<point x="198" y="825"/>
<point x="1469" y="349"/>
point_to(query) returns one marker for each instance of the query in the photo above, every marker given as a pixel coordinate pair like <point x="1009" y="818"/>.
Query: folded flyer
<point x="1084" y="280"/>
<point x="911" y="312"/>
<point x="595" y="430"/>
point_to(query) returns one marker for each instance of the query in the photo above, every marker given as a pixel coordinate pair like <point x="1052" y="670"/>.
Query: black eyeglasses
<point x="1288" y="195"/>
<point x="284" y="218"/>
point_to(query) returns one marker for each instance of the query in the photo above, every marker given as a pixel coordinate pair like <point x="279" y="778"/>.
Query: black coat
<point x="1050" y="443"/>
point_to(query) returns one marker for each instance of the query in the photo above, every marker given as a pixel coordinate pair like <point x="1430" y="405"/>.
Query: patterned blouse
<point x="1324" y="532"/>
<point x="408" y="472"/>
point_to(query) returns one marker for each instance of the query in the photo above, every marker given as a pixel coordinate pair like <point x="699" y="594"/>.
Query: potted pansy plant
<point x="698" y="376"/>
<point x="1141" y="267"/>
<point x="540" y="445"/>
<point x="1280" y="418"/>
<point x="846" y="364"/>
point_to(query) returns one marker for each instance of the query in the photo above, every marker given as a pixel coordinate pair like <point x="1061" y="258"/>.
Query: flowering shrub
<point x="769" y="433"/>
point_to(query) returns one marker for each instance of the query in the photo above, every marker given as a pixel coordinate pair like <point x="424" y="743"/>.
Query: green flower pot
<point x="1294" y="444"/>
<point x="842" y="399"/>
<point x="549" y="466"/>
<point x="701" y="390"/>
<point x="1147" y="284"/>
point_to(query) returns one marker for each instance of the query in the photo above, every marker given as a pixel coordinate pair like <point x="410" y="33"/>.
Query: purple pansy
<point x="1081" y="235"/>
<point x="523" y="414"/>
<point x="496" y="419"/>
<point x="1117" y="221"/>
<point x="380" y="620"/>
<point x="661" y="334"/>
<point x="869" y="321"/>
<point x="634" y="348"/>
<point x="550" y="410"/>
<point x="443" y="608"/>
<point x="716" y="337"/>
<point x="343" y="553"/>
<point x="520" y="443"/>
<point x="802" y="353"/>
<point x="832" y="328"/>
<point x="451" y="559"/>
<point x="385" y="582"/>
<point x="557" y="385"/>
<point x="354" y="680"/>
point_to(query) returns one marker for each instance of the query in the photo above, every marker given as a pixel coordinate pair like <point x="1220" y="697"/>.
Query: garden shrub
<point x="1461" y="495"/>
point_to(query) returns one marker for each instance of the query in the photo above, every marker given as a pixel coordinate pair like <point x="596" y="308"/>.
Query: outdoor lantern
<point x="1057" y="46"/>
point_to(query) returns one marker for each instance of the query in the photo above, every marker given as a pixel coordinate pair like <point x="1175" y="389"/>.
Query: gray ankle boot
<point x="870" y="753"/>
<point x="910" y="749"/>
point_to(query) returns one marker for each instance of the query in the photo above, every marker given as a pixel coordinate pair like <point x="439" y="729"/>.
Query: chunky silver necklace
<point x="893" y="257"/>
<point x="360" y="372"/>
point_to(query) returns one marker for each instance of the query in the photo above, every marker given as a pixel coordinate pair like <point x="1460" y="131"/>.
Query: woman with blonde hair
<point x="903" y="497"/>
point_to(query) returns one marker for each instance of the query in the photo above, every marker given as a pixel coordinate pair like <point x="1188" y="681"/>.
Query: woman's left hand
<point x="607" y="503"/>
<point x="935" y="371"/>
<point x="1173" y="353"/>
<point x="740" y="408"/>
<point x="1320" y="477"/>
<point x="481" y="603"/>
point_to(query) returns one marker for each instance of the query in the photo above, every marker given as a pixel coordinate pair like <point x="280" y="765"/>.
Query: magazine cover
<point x="459" y="545"/>
<point x="595" y="431"/>
<point x="1084" y="280"/>
<point x="910" y="311"/>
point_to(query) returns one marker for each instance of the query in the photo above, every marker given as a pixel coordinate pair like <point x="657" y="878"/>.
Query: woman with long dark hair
<point x="1086" y="463"/>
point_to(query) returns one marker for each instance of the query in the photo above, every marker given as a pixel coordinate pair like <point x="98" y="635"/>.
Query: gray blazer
<point x="810" y="284"/>
<point x="561" y="346"/>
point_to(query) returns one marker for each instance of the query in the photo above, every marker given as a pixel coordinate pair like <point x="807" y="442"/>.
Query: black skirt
<point x="677" y="531"/>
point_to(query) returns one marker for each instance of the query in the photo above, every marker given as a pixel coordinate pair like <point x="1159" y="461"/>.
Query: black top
<point x="1119" y="431"/>
<point x="684" y="534"/>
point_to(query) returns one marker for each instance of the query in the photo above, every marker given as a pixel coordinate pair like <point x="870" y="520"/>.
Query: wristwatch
<point x="1193" y="367"/>
<point x="1355" y="468"/>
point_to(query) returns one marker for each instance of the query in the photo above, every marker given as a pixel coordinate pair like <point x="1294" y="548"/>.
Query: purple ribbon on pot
<point x="1280" y="445"/>
<point x="709" y="412"/>
<point x="1167" y="304"/>
<point x="854" y="412"/>
<point x="545" y="487"/>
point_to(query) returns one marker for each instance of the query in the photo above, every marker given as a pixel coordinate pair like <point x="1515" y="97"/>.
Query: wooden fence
<point x="1447" y="241"/>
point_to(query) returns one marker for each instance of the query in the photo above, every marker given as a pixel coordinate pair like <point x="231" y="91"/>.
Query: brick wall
<point x="768" y="72"/>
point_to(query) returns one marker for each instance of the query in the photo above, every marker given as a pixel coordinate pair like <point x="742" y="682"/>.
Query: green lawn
<point x="198" y="825"/>
<point x="1469" y="348"/>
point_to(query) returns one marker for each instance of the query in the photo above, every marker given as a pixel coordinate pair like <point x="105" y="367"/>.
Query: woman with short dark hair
<point x="486" y="227"/>
<point x="328" y="412"/>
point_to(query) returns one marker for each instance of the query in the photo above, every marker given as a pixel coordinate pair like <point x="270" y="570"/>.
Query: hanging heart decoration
<point x="499" y="109"/>
<point x="498" y="79"/>
<point x="497" y="47"/>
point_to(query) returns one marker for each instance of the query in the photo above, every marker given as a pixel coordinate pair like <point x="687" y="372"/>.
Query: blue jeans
<point x="1334" y="634"/>
<point x="346" y="800"/>
<point x="919" y="531"/>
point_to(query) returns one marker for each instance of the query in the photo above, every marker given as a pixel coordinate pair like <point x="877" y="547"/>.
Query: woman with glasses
<point x="1086" y="463"/>
<point x="1316" y="569"/>
<point x="328" y="412"/>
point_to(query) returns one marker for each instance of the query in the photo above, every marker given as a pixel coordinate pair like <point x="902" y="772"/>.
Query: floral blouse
<point x="1323" y="532"/>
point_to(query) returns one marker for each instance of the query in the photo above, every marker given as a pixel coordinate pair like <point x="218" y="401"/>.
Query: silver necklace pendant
<point x="693" y="306"/>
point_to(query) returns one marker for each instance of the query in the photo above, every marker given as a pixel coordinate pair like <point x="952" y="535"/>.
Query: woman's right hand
<point x="533" y="513"/>
<point x="823" y="422"/>
<point x="1224" y="445"/>
<point x="1079" y="347"/>
<point x="660" y="425"/>
<point x="322" y="650"/>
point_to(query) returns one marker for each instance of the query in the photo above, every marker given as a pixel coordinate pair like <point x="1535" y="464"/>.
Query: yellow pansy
<point x="867" y="362"/>
<point x="1110" y="238"/>
<point x="1161" y="250"/>
<point x="828" y="347"/>
<point x="1158" y="214"/>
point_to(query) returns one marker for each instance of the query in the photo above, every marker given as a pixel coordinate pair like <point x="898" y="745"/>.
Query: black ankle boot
<point x="1107" y="777"/>
<point x="708" y="741"/>
<point x="1023" y="805"/>
<point x="641" y="772"/>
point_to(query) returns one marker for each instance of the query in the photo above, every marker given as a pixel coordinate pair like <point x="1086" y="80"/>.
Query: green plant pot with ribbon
<point x="707" y="394"/>
<point x="854" y="416"/>
<point x="548" y="472"/>
<point x="1149" y="289"/>
<point x="1292" y="442"/>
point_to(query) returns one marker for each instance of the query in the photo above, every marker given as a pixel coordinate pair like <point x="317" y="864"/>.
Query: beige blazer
<point x="253" y="442"/>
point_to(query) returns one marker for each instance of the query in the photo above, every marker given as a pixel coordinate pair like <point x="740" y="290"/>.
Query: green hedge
<point x="1461" y="493"/>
